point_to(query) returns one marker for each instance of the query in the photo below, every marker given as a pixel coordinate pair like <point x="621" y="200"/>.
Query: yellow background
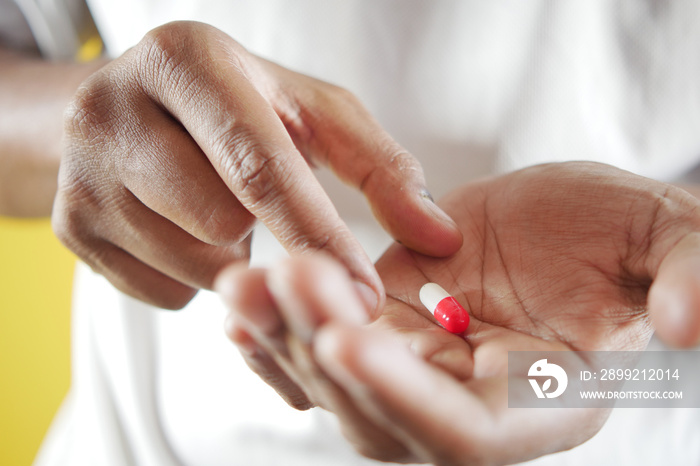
<point x="35" y="285"/>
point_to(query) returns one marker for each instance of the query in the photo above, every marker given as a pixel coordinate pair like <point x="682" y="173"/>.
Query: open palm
<point x="555" y="257"/>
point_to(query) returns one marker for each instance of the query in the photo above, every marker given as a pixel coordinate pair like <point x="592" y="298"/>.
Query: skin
<point x="173" y="151"/>
<point x="575" y="256"/>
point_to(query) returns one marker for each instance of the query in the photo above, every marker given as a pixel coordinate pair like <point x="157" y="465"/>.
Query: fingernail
<point x="369" y="299"/>
<point x="425" y="194"/>
<point x="436" y="211"/>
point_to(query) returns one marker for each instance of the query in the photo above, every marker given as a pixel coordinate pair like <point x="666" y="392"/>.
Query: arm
<point x="33" y="96"/>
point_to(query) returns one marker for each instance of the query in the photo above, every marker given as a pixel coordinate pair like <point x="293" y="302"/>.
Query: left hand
<point x="555" y="257"/>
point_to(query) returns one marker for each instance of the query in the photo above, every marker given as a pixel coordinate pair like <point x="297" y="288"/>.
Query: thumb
<point x="674" y="297"/>
<point x="331" y="127"/>
<point x="405" y="208"/>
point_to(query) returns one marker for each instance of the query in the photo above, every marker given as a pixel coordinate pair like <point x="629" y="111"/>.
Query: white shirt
<point x="470" y="88"/>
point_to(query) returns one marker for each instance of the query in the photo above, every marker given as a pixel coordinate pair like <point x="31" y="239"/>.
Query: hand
<point x="176" y="148"/>
<point x="555" y="257"/>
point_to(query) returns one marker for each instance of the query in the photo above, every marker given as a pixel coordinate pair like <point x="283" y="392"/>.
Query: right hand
<point x="173" y="150"/>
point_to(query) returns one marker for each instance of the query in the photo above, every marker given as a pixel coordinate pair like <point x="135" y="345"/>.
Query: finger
<point x="131" y="276"/>
<point x="127" y="273"/>
<point x="312" y="289"/>
<point x="246" y="142"/>
<point x="254" y="326"/>
<point x="441" y="349"/>
<point x="410" y="410"/>
<point x="332" y="127"/>
<point x="166" y="170"/>
<point x="441" y="420"/>
<point x="308" y="291"/>
<point x="141" y="232"/>
<point x="674" y="297"/>
<point x="245" y="293"/>
<point x="260" y="362"/>
<point x="426" y="339"/>
<point x="366" y="437"/>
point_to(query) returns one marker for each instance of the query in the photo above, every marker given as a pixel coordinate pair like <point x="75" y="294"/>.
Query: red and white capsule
<point x="447" y="311"/>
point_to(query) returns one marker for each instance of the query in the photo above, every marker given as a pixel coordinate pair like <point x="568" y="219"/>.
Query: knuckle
<point x="176" y="37"/>
<point x="81" y="213"/>
<point x="68" y="219"/>
<point x="394" y="169"/>
<point x="257" y="178"/>
<point x="161" y="53"/>
<point x="90" y="110"/>
<point x="179" y="53"/>
<point x="256" y="172"/>
<point x="167" y="58"/>
<point x="168" y="40"/>
<point x="219" y="227"/>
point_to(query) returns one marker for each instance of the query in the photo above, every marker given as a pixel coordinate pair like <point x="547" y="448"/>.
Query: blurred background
<point x="36" y="274"/>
